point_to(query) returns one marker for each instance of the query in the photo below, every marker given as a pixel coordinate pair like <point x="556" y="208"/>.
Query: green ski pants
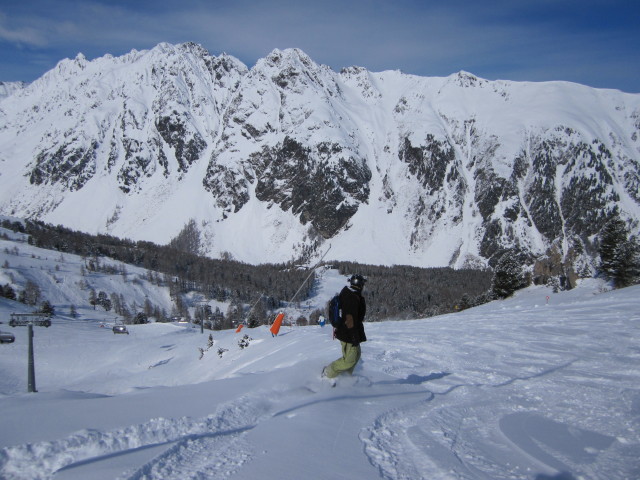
<point x="346" y="363"/>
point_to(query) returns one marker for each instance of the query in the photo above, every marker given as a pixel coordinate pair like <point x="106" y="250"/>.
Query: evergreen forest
<point x="392" y="292"/>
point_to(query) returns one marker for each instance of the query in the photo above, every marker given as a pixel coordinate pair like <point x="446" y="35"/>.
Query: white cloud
<point x="494" y="39"/>
<point x="20" y="35"/>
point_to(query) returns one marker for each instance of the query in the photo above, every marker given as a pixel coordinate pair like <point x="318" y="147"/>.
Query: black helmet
<point x="357" y="281"/>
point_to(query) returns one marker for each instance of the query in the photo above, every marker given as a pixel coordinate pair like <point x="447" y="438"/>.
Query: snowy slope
<point x="7" y="88"/>
<point x="540" y="386"/>
<point x="65" y="281"/>
<point x="275" y="160"/>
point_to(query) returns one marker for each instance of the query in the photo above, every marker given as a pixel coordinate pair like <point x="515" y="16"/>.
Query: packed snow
<point x="539" y="386"/>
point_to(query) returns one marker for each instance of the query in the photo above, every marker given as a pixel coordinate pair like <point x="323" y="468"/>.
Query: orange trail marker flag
<point x="277" y="323"/>
<point x="275" y="328"/>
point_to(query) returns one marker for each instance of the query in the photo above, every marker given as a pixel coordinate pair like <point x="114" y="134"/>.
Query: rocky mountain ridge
<point x="7" y="88"/>
<point x="280" y="160"/>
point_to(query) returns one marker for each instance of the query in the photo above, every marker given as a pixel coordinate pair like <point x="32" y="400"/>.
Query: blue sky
<point x="593" y="42"/>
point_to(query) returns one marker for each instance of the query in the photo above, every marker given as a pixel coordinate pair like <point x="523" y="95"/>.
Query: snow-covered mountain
<point x="288" y="156"/>
<point x="7" y="88"/>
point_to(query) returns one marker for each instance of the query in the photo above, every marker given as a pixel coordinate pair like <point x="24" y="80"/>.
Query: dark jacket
<point x="354" y="309"/>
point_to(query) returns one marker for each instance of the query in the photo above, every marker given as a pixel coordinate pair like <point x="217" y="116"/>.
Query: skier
<point x="351" y="331"/>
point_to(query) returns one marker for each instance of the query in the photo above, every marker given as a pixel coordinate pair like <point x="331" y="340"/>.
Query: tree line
<point x="399" y="292"/>
<point x="392" y="292"/>
<point x="404" y="292"/>
<point x="222" y="280"/>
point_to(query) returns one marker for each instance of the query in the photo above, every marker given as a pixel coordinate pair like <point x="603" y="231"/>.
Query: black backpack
<point x="335" y="312"/>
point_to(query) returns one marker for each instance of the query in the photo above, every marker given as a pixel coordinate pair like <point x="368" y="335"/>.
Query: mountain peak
<point x="467" y="80"/>
<point x="353" y="70"/>
<point x="427" y="173"/>
<point x="194" y="49"/>
<point x="289" y="57"/>
<point x="7" y="88"/>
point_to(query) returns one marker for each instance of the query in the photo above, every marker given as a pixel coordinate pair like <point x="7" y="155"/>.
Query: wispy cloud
<point x="21" y="35"/>
<point x="585" y="41"/>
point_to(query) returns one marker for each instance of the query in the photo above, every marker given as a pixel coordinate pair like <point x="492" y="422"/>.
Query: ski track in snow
<point x="198" y="446"/>
<point x="213" y="454"/>
<point x="463" y="429"/>
<point x="500" y="392"/>
<point x="451" y="428"/>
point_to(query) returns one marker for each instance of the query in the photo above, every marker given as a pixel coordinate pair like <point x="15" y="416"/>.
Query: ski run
<point x="541" y="386"/>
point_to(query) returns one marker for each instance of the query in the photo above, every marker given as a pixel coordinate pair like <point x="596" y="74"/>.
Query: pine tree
<point x="619" y="254"/>
<point x="103" y="301"/>
<point x="115" y="302"/>
<point x="233" y="317"/>
<point x="140" y="319"/>
<point x="147" y="308"/>
<point x="613" y="235"/>
<point x="508" y="275"/>
<point x="47" y="308"/>
<point x="8" y="292"/>
<point x="629" y="271"/>
<point x="93" y="299"/>
<point x="188" y="240"/>
<point x="257" y="316"/>
<point x="217" y="319"/>
<point x="31" y="293"/>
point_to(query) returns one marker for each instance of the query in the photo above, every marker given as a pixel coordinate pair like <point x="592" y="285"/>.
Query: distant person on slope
<point x="351" y="331"/>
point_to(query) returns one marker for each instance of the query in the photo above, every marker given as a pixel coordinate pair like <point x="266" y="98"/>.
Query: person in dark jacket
<point x="351" y="332"/>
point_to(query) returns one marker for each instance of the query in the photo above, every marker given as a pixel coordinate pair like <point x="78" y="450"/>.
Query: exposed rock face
<point x="70" y="165"/>
<point x="187" y="145"/>
<point x="301" y="179"/>
<point x="456" y="170"/>
<point x="428" y="162"/>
